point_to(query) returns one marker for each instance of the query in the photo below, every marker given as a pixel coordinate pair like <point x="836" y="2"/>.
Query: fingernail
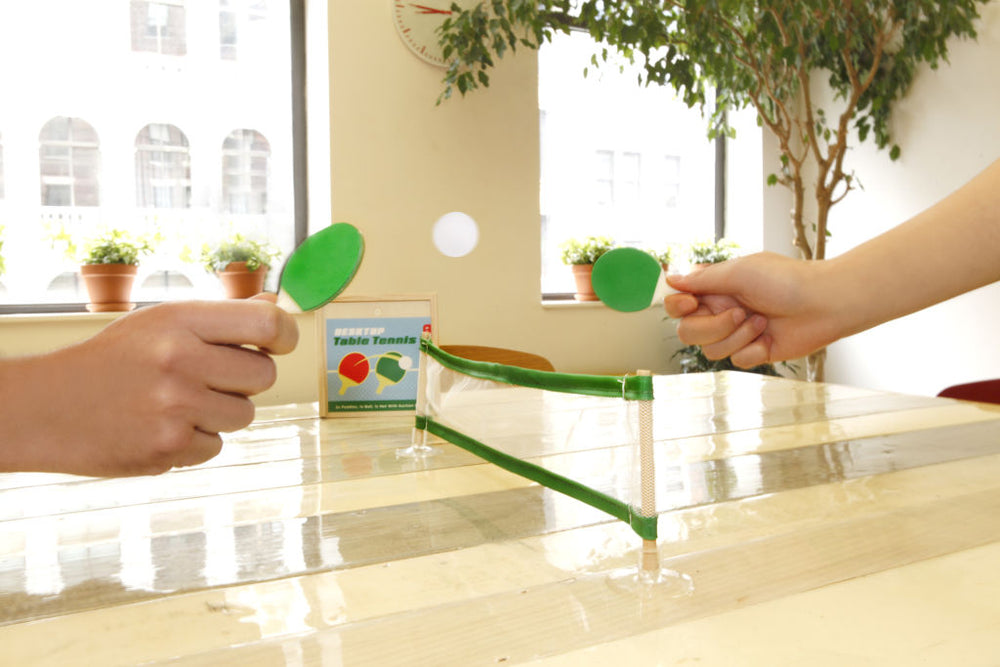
<point x="739" y="315"/>
<point x="758" y="322"/>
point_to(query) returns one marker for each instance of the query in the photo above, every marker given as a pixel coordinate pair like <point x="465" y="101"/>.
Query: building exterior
<point x="165" y="117"/>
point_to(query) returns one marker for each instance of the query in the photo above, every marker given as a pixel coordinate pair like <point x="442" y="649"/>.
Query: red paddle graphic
<point x="353" y="370"/>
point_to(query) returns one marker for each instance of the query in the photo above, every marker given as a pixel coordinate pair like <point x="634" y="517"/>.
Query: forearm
<point x="948" y="249"/>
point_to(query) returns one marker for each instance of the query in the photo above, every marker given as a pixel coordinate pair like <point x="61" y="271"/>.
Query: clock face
<point x="417" y="23"/>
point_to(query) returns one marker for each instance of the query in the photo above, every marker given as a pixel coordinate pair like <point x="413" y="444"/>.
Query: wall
<point x="949" y="129"/>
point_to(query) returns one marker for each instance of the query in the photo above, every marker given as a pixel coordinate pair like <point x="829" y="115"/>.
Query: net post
<point x="650" y="561"/>
<point x="418" y="439"/>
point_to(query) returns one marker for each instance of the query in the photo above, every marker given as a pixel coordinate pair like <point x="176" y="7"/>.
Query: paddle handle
<point x="287" y="303"/>
<point x="662" y="290"/>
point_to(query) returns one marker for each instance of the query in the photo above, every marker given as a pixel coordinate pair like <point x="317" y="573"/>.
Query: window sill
<point x="559" y="304"/>
<point x="11" y="318"/>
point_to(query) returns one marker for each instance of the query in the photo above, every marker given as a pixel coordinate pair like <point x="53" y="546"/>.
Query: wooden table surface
<point x="819" y="525"/>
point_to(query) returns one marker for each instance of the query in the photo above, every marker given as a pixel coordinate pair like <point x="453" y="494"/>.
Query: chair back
<point x="986" y="391"/>
<point x="500" y="355"/>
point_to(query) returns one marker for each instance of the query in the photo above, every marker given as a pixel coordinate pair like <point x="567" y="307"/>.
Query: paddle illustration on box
<point x="355" y="368"/>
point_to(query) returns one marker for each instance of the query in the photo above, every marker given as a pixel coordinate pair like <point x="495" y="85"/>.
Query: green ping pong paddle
<point x="629" y="279"/>
<point x="320" y="268"/>
<point x="390" y="369"/>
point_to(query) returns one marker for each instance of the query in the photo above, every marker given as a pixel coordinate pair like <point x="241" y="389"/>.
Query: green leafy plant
<point x="664" y="257"/>
<point x="238" y="248"/>
<point x="585" y="251"/>
<point x="693" y="360"/>
<point x="116" y="247"/>
<point x="712" y="252"/>
<point x="773" y="55"/>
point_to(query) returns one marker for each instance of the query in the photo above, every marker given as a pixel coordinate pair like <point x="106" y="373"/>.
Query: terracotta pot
<point x="109" y="286"/>
<point x="584" y="288"/>
<point x="238" y="282"/>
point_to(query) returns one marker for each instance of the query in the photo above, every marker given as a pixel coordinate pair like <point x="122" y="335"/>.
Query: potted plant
<point x="703" y="253"/>
<point x="241" y="264"/>
<point x="108" y="267"/>
<point x="580" y="255"/>
<point x="693" y="360"/>
<point x="665" y="257"/>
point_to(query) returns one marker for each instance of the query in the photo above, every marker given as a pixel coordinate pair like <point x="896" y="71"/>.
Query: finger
<point x="703" y="280"/>
<point x="707" y="329"/>
<point x="756" y="353"/>
<point x="739" y="339"/>
<point x="266" y="296"/>
<point x="202" y="447"/>
<point x="218" y="412"/>
<point x="231" y="369"/>
<point x="243" y="322"/>
<point x="679" y="305"/>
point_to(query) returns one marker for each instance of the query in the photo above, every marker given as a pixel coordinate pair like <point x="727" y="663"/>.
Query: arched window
<point x="245" y="158"/>
<point x="162" y="167"/>
<point x="69" y="161"/>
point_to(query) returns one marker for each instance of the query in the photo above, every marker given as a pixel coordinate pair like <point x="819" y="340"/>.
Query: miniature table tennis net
<point x="586" y="436"/>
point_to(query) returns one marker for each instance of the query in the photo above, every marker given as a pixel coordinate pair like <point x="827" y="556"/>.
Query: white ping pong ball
<point x="455" y="234"/>
<point x="405" y="362"/>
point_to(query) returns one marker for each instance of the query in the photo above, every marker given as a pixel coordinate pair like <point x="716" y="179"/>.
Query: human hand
<point x="758" y="309"/>
<point x="152" y="391"/>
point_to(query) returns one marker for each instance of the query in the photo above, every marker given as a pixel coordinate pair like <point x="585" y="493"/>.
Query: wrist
<point x="837" y="301"/>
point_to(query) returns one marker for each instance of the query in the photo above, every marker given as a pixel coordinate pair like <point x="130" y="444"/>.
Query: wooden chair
<point x="500" y="355"/>
<point x="986" y="391"/>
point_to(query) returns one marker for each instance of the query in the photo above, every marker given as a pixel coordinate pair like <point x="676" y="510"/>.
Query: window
<point x="238" y="23"/>
<point x="162" y="168"/>
<point x="1" y="166"/>
<point x="245" y="157"/>
<point x="172" y="139"/>
<point x="618" y="159"/>
<point x="68" y="159"/>
<point x="158" y="27"/>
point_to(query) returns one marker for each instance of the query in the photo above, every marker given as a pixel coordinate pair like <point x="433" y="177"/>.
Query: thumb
<point x="266" y="296"/>
<point x="706" y="280"/>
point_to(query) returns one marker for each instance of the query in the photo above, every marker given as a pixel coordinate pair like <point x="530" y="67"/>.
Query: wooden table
<point x="820" y="525"/>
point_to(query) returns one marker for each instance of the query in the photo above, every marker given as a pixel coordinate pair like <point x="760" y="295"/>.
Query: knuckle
<point x="167" y="354"/>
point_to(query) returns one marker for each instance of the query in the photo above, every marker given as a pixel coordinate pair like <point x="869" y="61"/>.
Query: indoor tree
<point x="819" y="73"/>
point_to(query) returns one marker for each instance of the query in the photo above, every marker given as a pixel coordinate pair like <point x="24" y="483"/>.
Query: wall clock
<point x="417" y="23"/>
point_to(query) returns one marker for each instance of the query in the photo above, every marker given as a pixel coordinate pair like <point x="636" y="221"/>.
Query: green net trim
<point x="644" y="526"/>
<point x="629" y="387"/>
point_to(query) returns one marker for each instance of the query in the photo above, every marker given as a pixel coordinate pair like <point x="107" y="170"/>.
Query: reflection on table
<point x="819" y="524"/>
